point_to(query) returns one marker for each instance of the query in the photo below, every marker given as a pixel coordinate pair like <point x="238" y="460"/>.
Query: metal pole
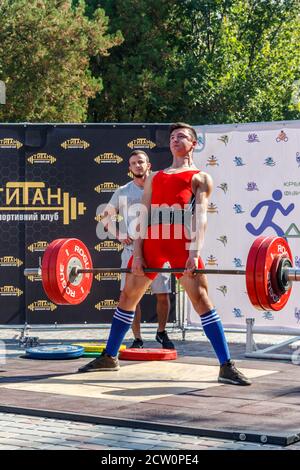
<point x="76" y="271"/>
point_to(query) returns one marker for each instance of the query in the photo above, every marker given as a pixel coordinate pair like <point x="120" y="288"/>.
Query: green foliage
<point x="45" y="49"/>
<point x="203" y="61"/>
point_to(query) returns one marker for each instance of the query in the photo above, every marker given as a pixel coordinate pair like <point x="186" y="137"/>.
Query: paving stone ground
<point x="21" y="432"/>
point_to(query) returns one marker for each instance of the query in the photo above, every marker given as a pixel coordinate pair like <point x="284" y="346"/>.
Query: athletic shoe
<point x="229" y="374"/>
<point x="103" y="362"/>
<point x="137" y="344"/>
<point x="163" y="338"/>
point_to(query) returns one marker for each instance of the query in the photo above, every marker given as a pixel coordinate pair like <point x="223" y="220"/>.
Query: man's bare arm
<point x="202" y="187"/>
<point x="141" y="230"/>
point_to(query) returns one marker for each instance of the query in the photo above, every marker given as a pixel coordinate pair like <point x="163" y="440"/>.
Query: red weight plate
<point x="53" y="280"/>
<point x="69" y="253"/>
<point x="269" y="250"/>
<point x="137" y="354"/>
<point x="45" y="268"/>
<point x="250" y="271"/>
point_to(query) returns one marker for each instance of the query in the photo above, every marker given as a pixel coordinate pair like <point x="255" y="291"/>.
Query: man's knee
<point x="163" y="299"/>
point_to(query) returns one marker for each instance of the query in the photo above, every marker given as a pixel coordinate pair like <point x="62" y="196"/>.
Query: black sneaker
<point x="137" y="343"/>
<point x="103" y="362"/>
<point x="163" y="338"/>
<point x="229" y="374"/>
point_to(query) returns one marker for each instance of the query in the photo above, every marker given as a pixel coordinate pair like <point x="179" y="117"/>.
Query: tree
<point x="204" y="61"/>
<point x="135" y="77"/>
<point x="45" y="49"/>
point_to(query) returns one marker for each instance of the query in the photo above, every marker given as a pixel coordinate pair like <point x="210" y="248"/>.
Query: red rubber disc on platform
<point x="67" y="254"/>
<point x="45" y="268"/>
<point x="268" y="253"/>
<point x="250" y="271"/>
<point x="147" y="354"/>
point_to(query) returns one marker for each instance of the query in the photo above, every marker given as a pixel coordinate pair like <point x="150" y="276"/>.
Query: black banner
<point x="53" y="178"/>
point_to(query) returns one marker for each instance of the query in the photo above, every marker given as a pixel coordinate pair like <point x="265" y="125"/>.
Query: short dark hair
<point x="137" y="152"/>
<point x="183" y="125"/>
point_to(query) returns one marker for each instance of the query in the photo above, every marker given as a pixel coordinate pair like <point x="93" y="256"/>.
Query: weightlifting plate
<point x="250" y="271"/>
<point x="70" y="252"/>
<point x="45" y="268"/>
<point x="137" y="354"/>
<point x="95" y="347"/>
<point x="55" y="352"/>
<point x="268" y="252"/>
<point x="91" y="354"/>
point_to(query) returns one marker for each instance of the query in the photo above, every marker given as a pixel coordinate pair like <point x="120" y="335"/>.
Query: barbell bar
<point x="67" y="272"/>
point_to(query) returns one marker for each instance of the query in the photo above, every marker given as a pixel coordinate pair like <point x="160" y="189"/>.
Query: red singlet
<point x="173" y="189"/>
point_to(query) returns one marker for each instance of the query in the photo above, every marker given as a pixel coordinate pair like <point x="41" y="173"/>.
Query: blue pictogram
<point x="272" y="207"/>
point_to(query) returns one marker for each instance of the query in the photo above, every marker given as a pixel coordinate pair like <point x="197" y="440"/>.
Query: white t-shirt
<point x="122" y="199"/>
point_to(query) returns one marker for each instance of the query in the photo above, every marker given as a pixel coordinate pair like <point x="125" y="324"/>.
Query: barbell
<point x="67" y="272"/>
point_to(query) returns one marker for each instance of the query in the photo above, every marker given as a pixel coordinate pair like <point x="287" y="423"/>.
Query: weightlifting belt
<point x="170" y="216"/>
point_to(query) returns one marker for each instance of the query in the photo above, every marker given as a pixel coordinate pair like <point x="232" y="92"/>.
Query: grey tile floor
<point x="20" y="432"/>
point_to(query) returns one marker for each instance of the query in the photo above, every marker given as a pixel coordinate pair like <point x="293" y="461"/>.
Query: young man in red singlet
<point x="177" y="199"/>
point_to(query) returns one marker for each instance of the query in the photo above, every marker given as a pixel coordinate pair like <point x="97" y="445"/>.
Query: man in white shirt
<point x="124" y="198"/>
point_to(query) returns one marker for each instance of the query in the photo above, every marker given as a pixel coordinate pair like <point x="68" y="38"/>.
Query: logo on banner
<point x="252" y="138"/>
<point x="212" y="208"/>
<point x="42" y="305"/>
<point x="237" y="262"/>
<point x="223" y="289"/>
<point x="37" y="246"/>
<point x="298" y="158"/>
<point x="108" y="304"/>
<point x="224" y="187"/>
<point x="10" y="261"/>
<point x="252" y="186"/>
<point x="200" y="142"/>
<point x="211" y="261"/>
<point x="224" y="139"/>
<point x="108" y="187"/>
<point x="108" y="276"/>
<point x="297" y="314"/>
<point x="212" y="161"/>
<point x="108" y="158"/>
<point x="238" y="209"/>
<point x="273" y="205"/>
<point x="75" y="143"/>
<point x="114" y="217"/>
<point x="223" y="239"/>
<point x="293" y="232"/>
<point x="109" y="245"/>
<point x="10" y="291"/>
<point x="282" y="137"/>
<point x="41" y="158"/>
<point x="237" y="312"/>
<point x="238" y="161"/>
<point x="142" y="143"/>
<point x="269" y="161"/>
<point x="9" y="143"/>
<point x="33" y="201"/>
<point x="268" y="315"/>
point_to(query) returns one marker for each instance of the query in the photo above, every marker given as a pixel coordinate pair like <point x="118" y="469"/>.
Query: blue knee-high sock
<point x="213" y="329"/>
<point x="121" y="323"/>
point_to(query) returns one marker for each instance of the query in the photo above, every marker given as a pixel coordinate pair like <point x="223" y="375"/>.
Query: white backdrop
<point x="248" y="162"/>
